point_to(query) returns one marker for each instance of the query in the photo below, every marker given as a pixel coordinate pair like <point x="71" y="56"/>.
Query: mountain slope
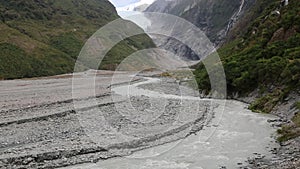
<point x="138" y="6"/>
<point x="211" y="16"/>
<point x="44" y="37"/>
<point x="262" y="59"/>
<point x="214" y="17"/>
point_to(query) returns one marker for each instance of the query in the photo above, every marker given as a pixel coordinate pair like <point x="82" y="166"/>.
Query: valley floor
<point x="43" y="127"/>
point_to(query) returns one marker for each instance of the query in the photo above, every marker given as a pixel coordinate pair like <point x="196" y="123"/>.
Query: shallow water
<point x="230" y="138"/>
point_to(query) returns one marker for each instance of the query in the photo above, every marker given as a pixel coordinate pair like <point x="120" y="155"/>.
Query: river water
<point x="228" y="140"/>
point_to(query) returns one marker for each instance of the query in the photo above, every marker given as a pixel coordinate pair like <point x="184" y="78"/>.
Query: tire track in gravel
<point x="50" y="135"/>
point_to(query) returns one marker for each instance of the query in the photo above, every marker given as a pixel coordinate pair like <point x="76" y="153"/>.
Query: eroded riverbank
<point x="39" y="133"/>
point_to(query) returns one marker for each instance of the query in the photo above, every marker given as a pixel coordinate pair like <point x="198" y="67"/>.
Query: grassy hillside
<point x="44" y="37"/>
<point x="263" y="53"/>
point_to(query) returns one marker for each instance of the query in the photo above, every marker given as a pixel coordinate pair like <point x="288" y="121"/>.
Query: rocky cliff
<point x="214" y="17"/>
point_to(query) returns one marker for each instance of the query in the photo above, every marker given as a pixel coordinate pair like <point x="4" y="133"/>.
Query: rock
<point x="27" y="161"/>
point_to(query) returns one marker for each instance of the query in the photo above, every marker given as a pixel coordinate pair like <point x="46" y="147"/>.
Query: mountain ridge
<point x="214" y="17"/>
<point x="262" y="63"/>
<point x="44" y="37"/>
<point x="211" y="16"/>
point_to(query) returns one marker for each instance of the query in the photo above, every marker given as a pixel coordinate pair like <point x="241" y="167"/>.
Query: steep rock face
<point x="44" y="37"/>
<point x="139" y="6"/>
<point x="214" y="17"/>
<point x="179" y="49"/>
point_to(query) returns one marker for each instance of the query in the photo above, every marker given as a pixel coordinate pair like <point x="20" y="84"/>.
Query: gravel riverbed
<point x="156" y="122"/>
<point x="43" y="127"/>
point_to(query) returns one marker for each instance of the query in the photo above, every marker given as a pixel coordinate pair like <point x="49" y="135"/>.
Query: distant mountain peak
<point x="138" y="6"/>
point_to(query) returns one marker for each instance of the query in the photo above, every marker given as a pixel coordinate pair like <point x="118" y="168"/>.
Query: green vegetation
<point x="291" y="130"/>
<point x="42" y="38"/>
<point x="265" y="57"/>
<point x="16" y="63"/>
<point x="266" y="103"/>
<point x="123" y="49"/>
<point x="67" y="43"/>
<point x="263" y="54"/>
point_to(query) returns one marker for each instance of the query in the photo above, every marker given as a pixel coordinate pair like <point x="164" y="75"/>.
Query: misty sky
<point x="121" y="3"/>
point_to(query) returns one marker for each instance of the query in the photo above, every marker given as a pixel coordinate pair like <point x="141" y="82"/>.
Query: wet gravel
<point x="287" y="155"/>
<point x="41" y="128"/>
